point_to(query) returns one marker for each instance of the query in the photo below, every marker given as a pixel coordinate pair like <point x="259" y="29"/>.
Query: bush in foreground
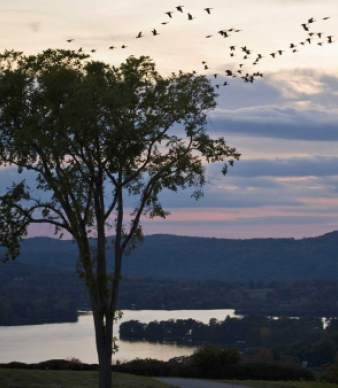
<point x="151" y="367"/>
<point x="211" y="357"/>
<point x="331" y="373"/>
<point x="244" y="371"/>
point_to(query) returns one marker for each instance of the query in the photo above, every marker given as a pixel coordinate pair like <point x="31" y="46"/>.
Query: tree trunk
<point x="105" y="372"/>
<point x="104" y="342"/>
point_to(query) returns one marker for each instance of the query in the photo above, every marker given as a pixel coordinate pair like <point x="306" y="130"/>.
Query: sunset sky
<point x="285" y="124"/>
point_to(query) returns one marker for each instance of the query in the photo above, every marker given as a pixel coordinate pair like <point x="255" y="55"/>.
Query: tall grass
<point x="10" y="378"/>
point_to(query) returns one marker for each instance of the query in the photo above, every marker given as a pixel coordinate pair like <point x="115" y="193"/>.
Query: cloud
<point x="297" y="105"/>
<point x="280" y="123"/>
<point x="270" y="220"/>
<point x="283" y="88"/>
<point x="284" y="167"/>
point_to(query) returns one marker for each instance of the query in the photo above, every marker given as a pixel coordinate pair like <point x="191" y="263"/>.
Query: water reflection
<point x="42" y="342"/>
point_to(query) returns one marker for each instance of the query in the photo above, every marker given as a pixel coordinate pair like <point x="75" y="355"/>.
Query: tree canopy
<point x="79" y="124"/>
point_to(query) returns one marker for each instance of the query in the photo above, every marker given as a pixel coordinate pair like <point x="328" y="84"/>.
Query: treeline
<point x="38" y="294"/>
<point x="250" y="331"/>
<point x="32" y="295"/>
<point x="182" y="257"/>
<point x="289" y="298"/>
<point x="303" y="339"/>
<point x="42" y="310"/>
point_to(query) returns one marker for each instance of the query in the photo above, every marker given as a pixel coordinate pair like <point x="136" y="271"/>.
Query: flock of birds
<point x="243" y="51"/>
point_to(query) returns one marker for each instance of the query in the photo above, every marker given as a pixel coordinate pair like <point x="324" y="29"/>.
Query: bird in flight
<point x="225" y="33"/>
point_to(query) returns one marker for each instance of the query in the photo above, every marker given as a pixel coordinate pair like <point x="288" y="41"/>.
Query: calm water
<point x="43" y="342"/>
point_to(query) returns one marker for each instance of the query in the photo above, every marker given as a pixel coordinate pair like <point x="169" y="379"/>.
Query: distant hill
<point x="179" y="257"/>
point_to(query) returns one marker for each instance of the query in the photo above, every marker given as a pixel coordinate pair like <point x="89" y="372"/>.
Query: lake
<point x="37" y="343"/>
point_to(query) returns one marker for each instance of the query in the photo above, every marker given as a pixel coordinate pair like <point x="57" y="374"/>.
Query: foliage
<point x="261" y="339"/>
<point x="331" y="373"/>
<point x="79" y="124"/>
<point x="256" y="260"/>
<point x="151" y="367"/>
<point x="241" y="371"/>
<point x="93" y="135"/>
<point x="32" y="294"/>
<point x="249" y="331"/>
<point x="210" y="357"/>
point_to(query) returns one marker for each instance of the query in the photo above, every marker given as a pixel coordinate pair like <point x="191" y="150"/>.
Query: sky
<point x="285" y="124"/>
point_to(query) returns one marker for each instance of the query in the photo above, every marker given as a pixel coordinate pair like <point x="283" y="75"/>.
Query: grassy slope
<point x="10" y="378"/>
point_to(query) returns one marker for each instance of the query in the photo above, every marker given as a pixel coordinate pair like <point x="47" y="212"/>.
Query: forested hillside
<point x="37" y="294"/>
<point x="178" y="257"/>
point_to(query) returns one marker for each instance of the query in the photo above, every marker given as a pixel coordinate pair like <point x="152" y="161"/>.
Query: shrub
<point x="330" y="374"/>
<point x="213" y="357"/>
<point x="146" y="367"/>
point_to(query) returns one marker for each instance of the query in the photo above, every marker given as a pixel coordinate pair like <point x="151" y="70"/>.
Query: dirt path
<point x="191" y="383"/>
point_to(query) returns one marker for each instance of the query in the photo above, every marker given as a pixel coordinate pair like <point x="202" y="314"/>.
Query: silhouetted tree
<point x="93" y="135"/>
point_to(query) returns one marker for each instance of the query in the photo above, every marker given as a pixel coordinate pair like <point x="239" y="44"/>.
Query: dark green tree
<point x="94" y="134"/>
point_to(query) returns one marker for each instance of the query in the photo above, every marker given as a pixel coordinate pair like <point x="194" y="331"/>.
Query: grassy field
<point x="282" y="384"/>
<point x="18" y="378"/>
<point x="10" y="378"/>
